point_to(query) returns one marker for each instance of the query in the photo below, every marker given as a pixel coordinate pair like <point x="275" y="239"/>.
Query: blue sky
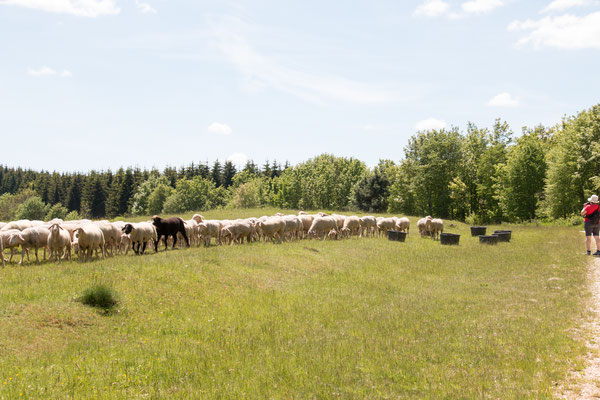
<point x="98" y="84"/>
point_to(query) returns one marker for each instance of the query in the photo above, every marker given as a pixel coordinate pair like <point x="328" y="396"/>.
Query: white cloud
<point x="66" y="73"/>
<point x="561" y="5"/>
<point x="261" y="71"/>
<point x="503" y="100"/>
<point x="83" y="8"/>
<point x="238" y="159"/>
<point x="42" y="71"/>
<point x="481" y="6"/>
<point x="145" y="8"/>
<point x="219" y="128"/>
<point x="563" y="32"/>
<point x="429" y="124"/>
<point x="431" y="8"/>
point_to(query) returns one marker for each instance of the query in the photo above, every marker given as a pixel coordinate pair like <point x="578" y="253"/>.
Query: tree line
<point x="480" y="175"/>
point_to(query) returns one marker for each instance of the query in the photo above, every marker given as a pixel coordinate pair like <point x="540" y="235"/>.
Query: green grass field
<point x="358" y="318"/>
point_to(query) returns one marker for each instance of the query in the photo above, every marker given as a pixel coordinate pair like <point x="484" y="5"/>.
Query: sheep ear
<point x="60" y="227"/>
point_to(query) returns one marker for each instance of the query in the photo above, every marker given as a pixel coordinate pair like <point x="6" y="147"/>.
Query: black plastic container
<point x="449" y="238"/>
<point x="478" y="230"/>
<point x="488" y="239"/>
<point x="502" y="236"/>
<point x="397" y="236"/>
<point x="503" y="231"/>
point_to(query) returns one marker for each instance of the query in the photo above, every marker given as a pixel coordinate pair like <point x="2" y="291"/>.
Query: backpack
<point x="595" y="216"/>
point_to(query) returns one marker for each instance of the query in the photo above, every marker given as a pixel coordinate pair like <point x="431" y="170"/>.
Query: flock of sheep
<point x="84" y="237"/>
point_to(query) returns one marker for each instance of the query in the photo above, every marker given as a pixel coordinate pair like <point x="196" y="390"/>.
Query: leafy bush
<point x="99" y="296"/>
<point x="247" y="195"/>
<point x="57" y="211"/>
<point x="73" y="215"/>
<point x="32" y="208"/>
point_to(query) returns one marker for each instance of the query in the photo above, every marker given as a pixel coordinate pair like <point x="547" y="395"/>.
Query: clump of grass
<point x="99" y="296"/>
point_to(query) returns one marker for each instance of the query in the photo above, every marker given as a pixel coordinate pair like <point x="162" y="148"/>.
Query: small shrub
<point x="32" y="208"/>
<point x="99" y="296"/>
<point x="57" y="211"/>
<point x="73" y="215"/>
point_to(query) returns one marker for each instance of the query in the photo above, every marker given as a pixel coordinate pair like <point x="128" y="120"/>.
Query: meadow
<point x="357" y="318"/>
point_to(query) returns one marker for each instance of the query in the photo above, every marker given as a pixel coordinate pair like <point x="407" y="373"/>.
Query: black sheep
<point x="169" y="227"/>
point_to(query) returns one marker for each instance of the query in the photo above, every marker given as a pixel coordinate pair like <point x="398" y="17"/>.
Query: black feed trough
<point x="502" y="236"/>
<point x="478" y="230"/>
<point x="397" y="236"/>
<point x="505" y="232"/>
<point x="488" y="239"/>
<point x="449" y="238"/>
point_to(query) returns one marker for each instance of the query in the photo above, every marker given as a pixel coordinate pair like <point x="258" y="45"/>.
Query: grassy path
<point x="585" y="384"/>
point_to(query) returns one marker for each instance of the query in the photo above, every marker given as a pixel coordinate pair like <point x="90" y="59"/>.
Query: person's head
<point x="593" y="199"/>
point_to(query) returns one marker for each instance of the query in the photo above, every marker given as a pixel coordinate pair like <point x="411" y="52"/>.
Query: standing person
<point x="591" y="224"/>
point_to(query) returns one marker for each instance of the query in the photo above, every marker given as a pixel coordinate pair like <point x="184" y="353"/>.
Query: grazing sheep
<point x="208" y="229"/>
<point x="89" y="238"/>
<point x="2" y="225"/>
<point x="271" y="228"/>
<point x="403" y="224"/>
<point x="141" y="233"/>
<point x="198" y="218"/>
<point x="59" y="242"/>
<point x="306" y="221"/>
<point x="321" y="227"/>
<point x="237" y="231"/>
<point x="351" y="226"/>
<point x="293" y="226"/>
<point x="437" y="227"/>
<point x="368" y="225"/>
<point x="339" y="220"/>
<point x="169" y="227"/>
<point x="424" y="225"/>
<point x="385" y="224"/>
<point x="35" y="237"/>
<point x="332" y="235"/>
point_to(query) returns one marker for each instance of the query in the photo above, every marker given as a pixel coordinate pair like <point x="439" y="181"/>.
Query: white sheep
<point x="424" y="225"/>
<point x="437" y="227"/>
<point x="384" y="224"/>
<point x="35" y="237"/>
<point x="59" y="242"/>
<point x="368" y="225"/>
<point x="403" y="224"/>
<point x="351" y="226"/>
<point x="208" y="229"/>
<point x="321" y="226"/>
<point x="89" y="238"/>
<point x="140" y="233"/>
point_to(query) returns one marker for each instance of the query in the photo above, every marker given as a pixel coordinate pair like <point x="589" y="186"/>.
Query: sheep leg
<point x="174" y="241"/>
<point x="23" y="255"/>
<point x="144" y="247"/>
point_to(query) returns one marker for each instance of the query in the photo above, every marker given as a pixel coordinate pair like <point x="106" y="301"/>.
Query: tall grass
<point x="359" y="318"/>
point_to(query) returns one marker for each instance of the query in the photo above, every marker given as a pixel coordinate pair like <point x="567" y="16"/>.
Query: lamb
<point x="59" y="242"/>
<point x="437" y="227"/>
<point x="35" y="237"/>
<point x="140" y="233"/>
<point x="368" y="225"/>
<point x="89" y="238"/>
<point x="424" y="225"/>
<point x="321" y="226"/>
<point x="208" y="229"/>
